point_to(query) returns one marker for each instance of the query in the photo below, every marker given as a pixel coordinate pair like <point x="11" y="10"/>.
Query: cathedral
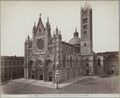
<point x="48" y="58"/>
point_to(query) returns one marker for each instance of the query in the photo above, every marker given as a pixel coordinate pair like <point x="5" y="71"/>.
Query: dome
<point x="75" y="40"/>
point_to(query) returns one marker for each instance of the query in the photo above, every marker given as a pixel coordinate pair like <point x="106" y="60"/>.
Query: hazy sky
<point x="18" y="17"/>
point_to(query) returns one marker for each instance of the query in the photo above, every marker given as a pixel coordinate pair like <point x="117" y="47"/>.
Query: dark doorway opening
<point x="41" y="77"/>
<point x="112" y="72"/>
<point x="87" y="72"/>
<point x="50" y="78"/>
<point x="32" y="76"/>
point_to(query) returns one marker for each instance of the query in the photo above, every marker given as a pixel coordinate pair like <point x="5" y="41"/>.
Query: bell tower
<point x="86" y="30"/>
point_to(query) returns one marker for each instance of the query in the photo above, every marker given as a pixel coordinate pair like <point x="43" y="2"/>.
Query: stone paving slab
<point x="90" y="85"/>
<point x="22" y="83"/>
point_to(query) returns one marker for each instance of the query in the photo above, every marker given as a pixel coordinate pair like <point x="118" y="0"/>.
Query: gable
<point x="40" y="29"/>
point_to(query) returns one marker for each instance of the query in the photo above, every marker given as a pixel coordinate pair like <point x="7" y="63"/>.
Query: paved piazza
<point x="86" y="85"/>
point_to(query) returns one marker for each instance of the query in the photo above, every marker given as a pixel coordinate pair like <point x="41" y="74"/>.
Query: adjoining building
<point x="49" y="58"/>
<point x="11" y="67"/>
<point x="106" y="63"/>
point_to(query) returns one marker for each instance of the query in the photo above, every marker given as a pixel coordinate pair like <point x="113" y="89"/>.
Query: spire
<point x="47" y="19"/>
<point x="28" y="38"/>
<point x="34" y="25"/>
<point x="48" y="27"/>
<point x="47" y="24"/>
<point x="76" y="33"/>
<point x="58" y="33"/>
<point x="56" y="29"/>
<point x="40" y="16"/>
<point x="40" y="21"/>
<point x="87" y="4"/>
<point x="34" y="29"/>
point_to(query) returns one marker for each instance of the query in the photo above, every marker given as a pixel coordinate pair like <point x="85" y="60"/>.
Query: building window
<point x="18" y="63"/>
<point x="14" y="62"/>
<point x="87" y="65"/>
<point x="9" y="62"/>
<point x="85" y="32"/>
<point x="85" y="12"/>
<point x="98" y="62"/>
<point x="84" y="44"/>
<point x="84" y="26"/>
<point x="85" y="20"/>
<point x="5" y="62"/>
<point x="21" y="62"/>
<point x="2" y="63"/>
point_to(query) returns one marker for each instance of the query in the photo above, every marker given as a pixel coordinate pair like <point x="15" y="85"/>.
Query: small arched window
<point x="84" y="44"/>
<point x="85" y="32"/>
<point x="98" y="62"/>
<point x="87" y="65"/>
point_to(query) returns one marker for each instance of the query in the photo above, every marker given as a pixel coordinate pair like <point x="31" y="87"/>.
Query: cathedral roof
<point x="75" y="40"/>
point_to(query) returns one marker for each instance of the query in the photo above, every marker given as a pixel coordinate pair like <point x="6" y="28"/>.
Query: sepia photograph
<point x="59" y="48"/>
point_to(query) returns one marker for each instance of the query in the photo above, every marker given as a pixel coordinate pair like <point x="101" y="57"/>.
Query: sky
<point x="18" y="17"/>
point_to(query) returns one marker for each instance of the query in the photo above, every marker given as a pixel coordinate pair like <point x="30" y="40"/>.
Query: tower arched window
<point x="85" y="32"/>
<point x="98" y="62"/>
<point x="87" y="65"/>
<point x="85" y="20"/>
<point x="84" y="26"/>
<point x="84" y="44"/>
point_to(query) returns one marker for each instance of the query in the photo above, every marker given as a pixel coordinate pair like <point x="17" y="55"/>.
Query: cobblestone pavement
<point x="89" y="85"/>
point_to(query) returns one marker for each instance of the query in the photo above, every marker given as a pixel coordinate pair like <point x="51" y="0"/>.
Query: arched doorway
<point x="50" y="76"/>
<point x="48" y="70"/>
<point x="33" y="75"/>
<point x="30" y="64"/>
<point x="39" y="69"/>
<point x="48" y="62"/>
<point x="87" y="70"/>
<point x="112" y="64"/>
<point x="30" y="73"/>
<point x="99" y="67"/>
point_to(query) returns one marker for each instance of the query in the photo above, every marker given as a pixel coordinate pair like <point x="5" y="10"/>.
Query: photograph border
<point x="65" y="95"/>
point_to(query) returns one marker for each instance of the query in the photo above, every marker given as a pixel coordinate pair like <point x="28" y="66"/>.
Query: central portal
<point x="41" y="77"/>
<point x="41" y="74"/>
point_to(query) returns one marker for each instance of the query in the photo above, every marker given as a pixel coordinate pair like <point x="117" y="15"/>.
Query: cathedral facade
<point x="48" y="58"/>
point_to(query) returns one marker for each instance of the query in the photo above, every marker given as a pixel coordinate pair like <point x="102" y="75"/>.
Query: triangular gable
<point x="40" y="28"/>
